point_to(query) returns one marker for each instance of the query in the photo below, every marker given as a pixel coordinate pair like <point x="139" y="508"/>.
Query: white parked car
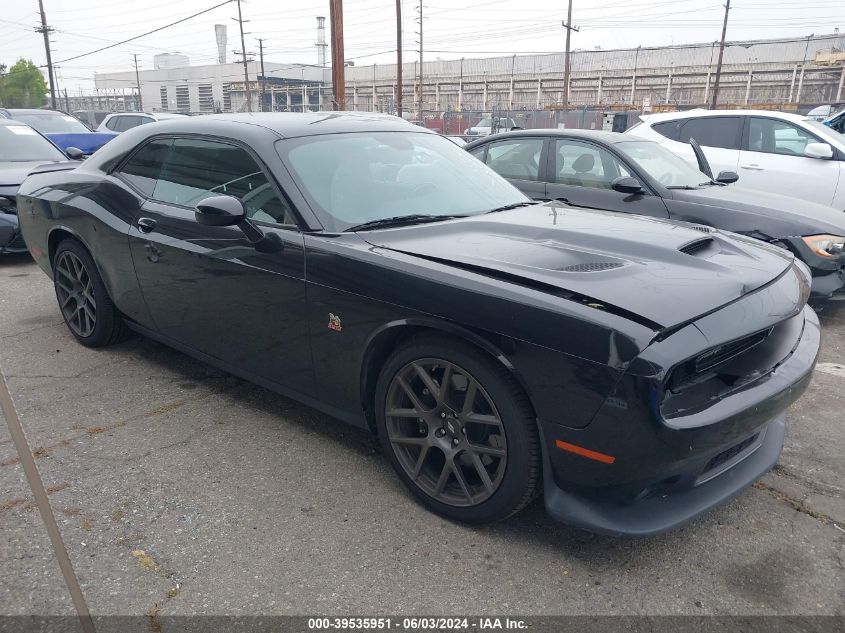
<point x="485" y="126"/>
<point x="122" y="121"/>
<point x="771" y="151"/>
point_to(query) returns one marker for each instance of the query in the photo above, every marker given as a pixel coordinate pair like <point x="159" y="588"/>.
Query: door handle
<point x="753" y="167"/>
<point x="146" y="225"/>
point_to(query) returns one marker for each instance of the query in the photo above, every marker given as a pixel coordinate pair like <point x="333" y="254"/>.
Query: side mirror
<point x="727" y="177"/>
<point x="627" y="184"/>
<point x="74" y="153"/>
<point x="220" y="211"/>
<point x="229" y="211"/>
<point x="818" y="150"/>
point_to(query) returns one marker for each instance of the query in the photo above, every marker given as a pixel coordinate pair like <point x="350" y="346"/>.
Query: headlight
<point x="825" y="245"/>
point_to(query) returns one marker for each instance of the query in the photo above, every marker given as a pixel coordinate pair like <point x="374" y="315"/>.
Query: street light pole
<point x="261" y="57"/>
<point x="138" y="84"/>
<point x="246" y="65"/>
<point x="46" y="30"/>
<point x="715" y="97"/>
<point x="399" y="58"/>
<point x="566" y="63"/>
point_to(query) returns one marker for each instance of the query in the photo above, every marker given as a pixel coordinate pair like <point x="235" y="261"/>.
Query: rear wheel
<point x="83" y="300"/>
<point x="458" y="430"/>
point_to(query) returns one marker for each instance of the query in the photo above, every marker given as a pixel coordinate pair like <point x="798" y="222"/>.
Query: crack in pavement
<point x="30" y="331"/>
<point x="798" y="506"/>
<point x="43" y="451"/>
<point x="828" y="490"/>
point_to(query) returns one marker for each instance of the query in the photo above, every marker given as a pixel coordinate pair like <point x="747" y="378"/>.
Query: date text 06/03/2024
<point x="416" y="624"/>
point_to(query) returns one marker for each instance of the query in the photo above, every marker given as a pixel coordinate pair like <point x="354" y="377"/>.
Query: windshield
<point x="823" y="130"/>
<point x="350" y="179"/>
<point x="484" y="123"/>
<point x="662" y="165"/>
<point x="52" y="123"/>
<point x="19" y="143"/>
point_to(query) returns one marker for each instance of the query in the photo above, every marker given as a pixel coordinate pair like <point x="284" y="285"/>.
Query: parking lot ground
<point x="181" y="490"/>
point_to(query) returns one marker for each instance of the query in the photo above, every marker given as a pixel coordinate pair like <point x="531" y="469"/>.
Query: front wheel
<point x="83" y="300"/>
<point x="458" y="430"/>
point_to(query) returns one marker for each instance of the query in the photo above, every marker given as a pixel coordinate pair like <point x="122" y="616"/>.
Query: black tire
<point x="520" y="481"/>
<point x="106" y="326"/>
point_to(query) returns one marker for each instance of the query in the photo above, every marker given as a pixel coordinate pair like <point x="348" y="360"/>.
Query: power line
<point x="137" y="37"/>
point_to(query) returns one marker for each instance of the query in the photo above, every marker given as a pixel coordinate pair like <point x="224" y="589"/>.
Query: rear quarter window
<point x="669" y="129"/>
<point x="719" y="131"/>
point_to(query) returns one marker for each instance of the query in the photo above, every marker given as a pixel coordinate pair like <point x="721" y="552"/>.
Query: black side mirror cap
<point x="229" y="211"/>
<point x="727" y="177"/>
<point x="74" y="153"/>
<point x="220" y="211"/>
<point x="627" y="184"/>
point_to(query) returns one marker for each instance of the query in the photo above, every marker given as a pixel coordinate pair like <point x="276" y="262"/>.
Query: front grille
<point x="715" y="357"/>
<point x="591" y="267"/>
<point x="696" y="246"/>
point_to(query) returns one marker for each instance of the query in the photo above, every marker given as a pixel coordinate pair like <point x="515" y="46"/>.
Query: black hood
<point x="664" y="272"/>
<point x="780" y="216"/>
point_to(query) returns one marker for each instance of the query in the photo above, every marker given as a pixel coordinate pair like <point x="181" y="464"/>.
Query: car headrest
<point x="584" y="162"/>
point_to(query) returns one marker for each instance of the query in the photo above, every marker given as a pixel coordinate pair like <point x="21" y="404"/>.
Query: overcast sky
<point x="452" y="28"/>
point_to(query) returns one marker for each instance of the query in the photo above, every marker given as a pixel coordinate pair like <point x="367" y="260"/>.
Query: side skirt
<point x="353" y="418"/>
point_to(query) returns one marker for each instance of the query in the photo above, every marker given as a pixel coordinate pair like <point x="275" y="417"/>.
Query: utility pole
<point x="338" y="74"/>
<point x="399" y="58"/>
<point x="46" y="30"/>
<point x="67" y="102"/>
<point x="566" y="64"/>
<point x="246" y="66"/>
<point x="138" y="84"/>
<point x="420" y="83"/>
<point x="261" y="57"/>
<point x="718" y="77"/>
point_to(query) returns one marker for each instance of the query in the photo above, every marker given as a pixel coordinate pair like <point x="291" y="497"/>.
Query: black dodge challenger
<point x="634" y="370"/>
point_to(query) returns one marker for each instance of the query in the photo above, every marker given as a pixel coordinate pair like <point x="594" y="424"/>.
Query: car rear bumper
<point x="11" y="240"/>
<point x="659" y="514"/>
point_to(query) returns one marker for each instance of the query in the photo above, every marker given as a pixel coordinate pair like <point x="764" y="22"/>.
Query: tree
<point x="23" y="86"/>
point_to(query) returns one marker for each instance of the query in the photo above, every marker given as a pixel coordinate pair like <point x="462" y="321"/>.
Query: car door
<point x="208" y="288"/>
<point x="519" y="159"/>
<point x="582" y="173"/>
<point x="772" y="159"/>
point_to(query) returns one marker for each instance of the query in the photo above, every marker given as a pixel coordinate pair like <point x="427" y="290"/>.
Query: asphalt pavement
<point x="179" y="489"/>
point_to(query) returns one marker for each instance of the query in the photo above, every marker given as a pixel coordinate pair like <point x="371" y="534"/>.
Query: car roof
<point x="33" y="111"/>
<point x="8" y="122"/>
<point x="595" y="135"/>
<point x="291" y="124"/>
<point x="690" y="114"/>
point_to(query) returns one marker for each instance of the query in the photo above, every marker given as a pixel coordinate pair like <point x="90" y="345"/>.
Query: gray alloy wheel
<point x="446" y="432"/>
<point x="75" y="291"/>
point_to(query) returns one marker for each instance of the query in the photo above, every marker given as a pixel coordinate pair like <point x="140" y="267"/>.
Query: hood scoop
<point x="591" y="267"/>
<point x="697" y="247"/>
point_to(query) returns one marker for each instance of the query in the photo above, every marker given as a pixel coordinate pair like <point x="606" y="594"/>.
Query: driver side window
<point x="518" y="159"/>
<point x="585" y="165"/>
<point x="196" y="169"/>
<point x="777" y="137"/>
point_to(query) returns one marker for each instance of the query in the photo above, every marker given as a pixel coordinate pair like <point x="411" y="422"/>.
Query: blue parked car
<point x="64" y="130"/>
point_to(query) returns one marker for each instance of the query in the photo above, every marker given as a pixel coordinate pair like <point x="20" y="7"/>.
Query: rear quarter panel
<point x="97" y="211"/>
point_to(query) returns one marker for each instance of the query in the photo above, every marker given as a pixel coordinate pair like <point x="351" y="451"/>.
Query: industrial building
<point x="785" y="74"/>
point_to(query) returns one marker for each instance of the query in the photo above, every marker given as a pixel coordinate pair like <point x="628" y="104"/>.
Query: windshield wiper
<point x="515" y="205"/>
<point x="686" y="187"/>
<point x="400" y="220"/>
